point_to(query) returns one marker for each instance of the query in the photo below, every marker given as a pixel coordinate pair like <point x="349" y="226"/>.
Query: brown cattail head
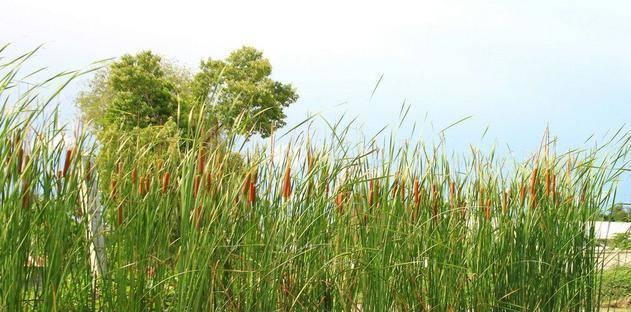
<point x="141" y="186"/>
<point x="134" y="176"/>
<point x="113" y="188"/>
<point x="416" y="191"/>
<point x="198" y="217"/>
<point x="147" y="184"/>
<point x="395" y="188"/>
<point x="252" y="192"/>
<point x="209" y="179"/>
<point x="371" y="190"/>
<point x="201" y="161"/>
<point x="339" y="201"/>
<point x="287" y="182"/>
<point x="67" y="163"/>
<point x="522" y="193"/>
<point x="487" y="209"/>
<point x="548" y="182"/>
<point x="165" y="181"/>
<point x="119" y="167"/>
<point x="21" y="162"/>
<point x="533" y="181"/>
<point x="196" y="182"/>
<point x="584" y="193"/>
<point x="452" y="193"/>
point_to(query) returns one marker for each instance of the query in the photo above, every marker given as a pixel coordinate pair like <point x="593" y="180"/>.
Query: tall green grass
<point x="321" y="227"/>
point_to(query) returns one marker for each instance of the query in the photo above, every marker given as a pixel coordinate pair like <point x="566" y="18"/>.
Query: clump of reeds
<point x="351" y="228"/>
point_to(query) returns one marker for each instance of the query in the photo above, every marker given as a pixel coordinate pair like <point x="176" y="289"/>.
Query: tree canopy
<point x="132" y="92"/>
<point x="143" y="90"/>
<point x="242" y="89"/>
<point x="619" y="213"/>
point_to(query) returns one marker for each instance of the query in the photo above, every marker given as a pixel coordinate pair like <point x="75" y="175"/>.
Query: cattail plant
<point x="416" y="192"/>
<point x="67" y="161"/>
<point x="395" y="186"/>
<point x="286" y="189"/>
<point x="487" y="209"/>
<point x="201" y="161"/>
<point x="339" y="201"/>
<point x="141" y="186"/>
<point x="468" y="235"/>
<point x="113" y="184"/>
<point x="372" y="190"/>
<point x="548" y="183"/>
<point x="134" y="176"/>
<point x="146" y="184"/>
<point x="166" y="177"/>
<point x="522" y="193"/>
<point x="252" y="192"/>
<point x="209" y="182"/>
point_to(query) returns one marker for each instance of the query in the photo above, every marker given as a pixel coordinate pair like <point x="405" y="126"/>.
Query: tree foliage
<point x="142" y="90"/>
<point x="143" y="102"/>
<point x="619" y="213"/>
<point x="617" y="283"/>
<point x="243" y="92"/>
<point x="132" y="92"/>
<point x="621" y="241"/>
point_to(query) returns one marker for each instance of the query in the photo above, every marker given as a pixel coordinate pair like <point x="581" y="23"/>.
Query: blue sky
<point x="514" y="66"/>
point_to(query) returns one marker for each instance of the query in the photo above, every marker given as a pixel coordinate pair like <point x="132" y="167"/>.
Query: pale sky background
<point x="514" y="66"/>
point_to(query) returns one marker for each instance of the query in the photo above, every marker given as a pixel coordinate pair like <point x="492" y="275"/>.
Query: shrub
<point x="621" y="241"/>
<point x="616" y="283"/>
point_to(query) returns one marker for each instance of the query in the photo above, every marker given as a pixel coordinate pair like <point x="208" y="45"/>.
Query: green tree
<point x="133" y="92"/>
<point x="621" y="241"/>
<point x="141" y="104"/>
<point x="142" y="90"/>
<point x="242" y="93"/>
<point x="619" y="213"/>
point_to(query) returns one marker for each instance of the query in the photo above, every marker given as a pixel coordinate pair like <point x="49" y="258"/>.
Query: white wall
<point x="607" y="230"/>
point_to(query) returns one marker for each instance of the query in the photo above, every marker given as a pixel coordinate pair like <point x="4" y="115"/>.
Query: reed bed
<point x="322" y="227"/>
